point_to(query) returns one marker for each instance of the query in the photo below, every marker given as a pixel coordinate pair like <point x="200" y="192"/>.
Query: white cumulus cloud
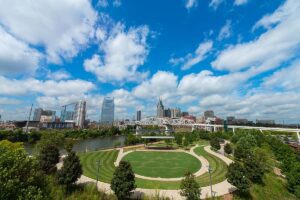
<point x="62" y="27"/>
<point x="123" y="53"/>
<point x="192" y="59"/>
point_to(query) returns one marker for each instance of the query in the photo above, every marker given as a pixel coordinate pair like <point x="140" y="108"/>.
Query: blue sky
<point x="237" y="57"/>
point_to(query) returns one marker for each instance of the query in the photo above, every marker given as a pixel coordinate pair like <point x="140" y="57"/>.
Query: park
<point x="162" y="169"/>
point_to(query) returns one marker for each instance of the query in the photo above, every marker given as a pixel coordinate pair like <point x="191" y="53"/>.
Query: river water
<point x="90" y="144"/>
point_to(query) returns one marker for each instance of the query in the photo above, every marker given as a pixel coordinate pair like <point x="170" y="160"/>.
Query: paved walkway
<point x="219" y="189"/>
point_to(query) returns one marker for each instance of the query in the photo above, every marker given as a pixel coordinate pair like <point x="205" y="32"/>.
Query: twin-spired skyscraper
<point x="108" y="110"/>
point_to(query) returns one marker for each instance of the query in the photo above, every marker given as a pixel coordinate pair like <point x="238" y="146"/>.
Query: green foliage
<point x="227" y="148"/>
<point x="185" y="142"/>
<point x="51" y="138"/>
<point x="203" y="135"/>
<point x="244" y="146"/>
<point x="215" y="144"/>
<point x="132" y="139"/>
<point x="189" y="188"/>
<point x="48" y="158"/>
<point x="178" y="139"/>
<point x="297" y="191"/>
<point x="20" y="177"/>
<point x="240" y="152"/>
<point x="123" y="181"/>
<point x="236" y="176"/>
<point x="70" y="171"/>
<point x="293" y="177"/>
<point x="68" y="145"/>
<point x="255" y="168"/>
<point x="19" y="136"/>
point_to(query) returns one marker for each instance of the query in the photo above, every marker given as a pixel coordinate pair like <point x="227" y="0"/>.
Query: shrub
<point x="227" y="148"/>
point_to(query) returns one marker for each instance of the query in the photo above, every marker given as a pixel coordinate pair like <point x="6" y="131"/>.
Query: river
<point x="90" y="144"/>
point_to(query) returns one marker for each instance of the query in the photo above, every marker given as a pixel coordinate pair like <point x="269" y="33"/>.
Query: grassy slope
<point x="162" y="164"/>
<point x="272" y="189"/>
<point x="107" y="168"/>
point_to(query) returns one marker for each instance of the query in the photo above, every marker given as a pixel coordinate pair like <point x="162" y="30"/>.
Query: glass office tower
<point x="108" y="110"/>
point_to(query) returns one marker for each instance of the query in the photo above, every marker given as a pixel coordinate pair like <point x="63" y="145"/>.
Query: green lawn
<point x="107" y="168"/>
<point x="162" y="164"/>
<point x="88" y="161"/>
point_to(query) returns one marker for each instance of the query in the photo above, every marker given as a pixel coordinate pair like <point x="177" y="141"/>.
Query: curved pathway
<point x="219" y="189"/>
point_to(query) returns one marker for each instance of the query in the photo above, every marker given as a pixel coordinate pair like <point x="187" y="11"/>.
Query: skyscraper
<point x="160" y="109"/>
<point x="37" y="114"/>
<point x="175" y="113"/>
<point x="108" y="110"/>
<point x="79" y="114"/>
<point x="138" y="115"/>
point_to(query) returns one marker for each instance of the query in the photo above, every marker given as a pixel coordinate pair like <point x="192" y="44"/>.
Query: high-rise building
<point x="160" y="109"/>
<point x="183" y="114"/>
<point x="80" y="113"/>
<point x="69" y="115"/>
<point x="138" y="115"/>
<point x="108" y="110"/>
<point x="167" y="112"/>
<point x="43" y="115"/>
<point x="37" y="114"/>
<point x="175" y="113"/>
<point x="209" y="114"/>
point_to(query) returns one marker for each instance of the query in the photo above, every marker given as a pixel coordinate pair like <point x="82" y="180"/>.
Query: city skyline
<point x="217" y="56"/>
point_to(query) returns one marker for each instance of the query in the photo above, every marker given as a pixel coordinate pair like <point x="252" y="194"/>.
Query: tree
<point x="293" y="177"/>
<point x="227" y="148"/>
<point x="69" y="143"/>
<point x="20" y="176"/>
<point x="123" y="181"/>
<point x="254" y="168"/>
<point x="70" y="171"/>
<point x="240" y="152"/>
<point x="236" y="176"/>
<point x="185" y="142"/>
<point x="189" y="188"/>
<point x="214" y="143"/>
<point x="48" y="158"/>
<point x="178" y="139"/>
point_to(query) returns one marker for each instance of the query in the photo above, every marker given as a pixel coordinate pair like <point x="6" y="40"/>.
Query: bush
<point x="227" y="148"/>
<point x="236" y="176"/>
<point x="48" y="158"/>
<point x="123" y="181"/>
<point x="189" y="187"/>
<point x="215" y="144"/>
<point x="20" y="176"/>
<point x="70" y="171"/>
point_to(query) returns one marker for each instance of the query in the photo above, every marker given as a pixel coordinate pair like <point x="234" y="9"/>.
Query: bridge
<point x="169" y="127"/>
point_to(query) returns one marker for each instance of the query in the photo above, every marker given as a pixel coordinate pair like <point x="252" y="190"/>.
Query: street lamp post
<point x="209" y="171"/>
<point x="98" y="163"/>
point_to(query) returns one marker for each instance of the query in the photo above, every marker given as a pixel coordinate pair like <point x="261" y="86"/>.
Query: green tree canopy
<point x="48" y="158"/>
<point x="70" y="171"/>
<point x="20" y="177"/>
<point x="227" y="148"/>
<point x="236" y="175"/>
<point x="189" y="188"/>
<point x="214" y="143"/>
<point x="123" y="181"/>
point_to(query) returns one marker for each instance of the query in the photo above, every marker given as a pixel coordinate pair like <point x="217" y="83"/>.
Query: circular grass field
<point x="162" y="164"/>
<point x="107" y="168"/>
